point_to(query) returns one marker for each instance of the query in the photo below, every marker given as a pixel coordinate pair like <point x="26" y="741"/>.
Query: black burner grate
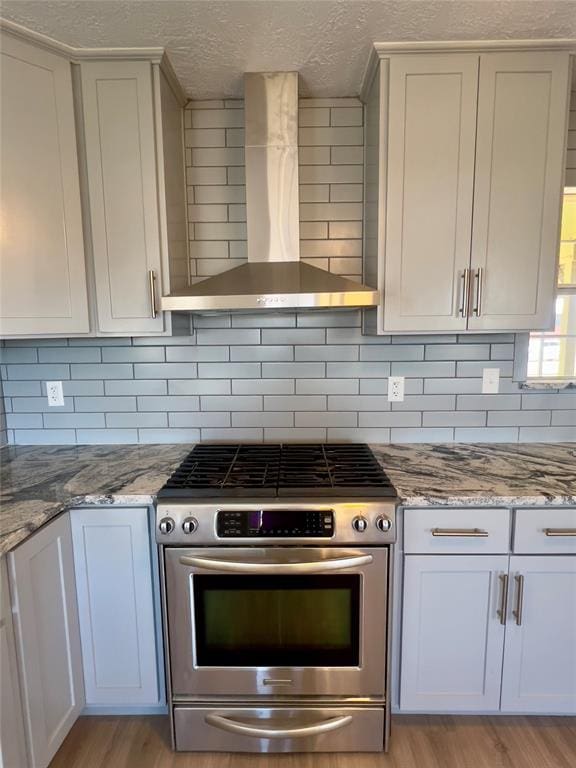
<point x="212" y="469"/>
<point x="279" y="470"/>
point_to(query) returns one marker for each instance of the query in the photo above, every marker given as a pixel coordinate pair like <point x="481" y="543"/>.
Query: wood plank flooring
<point x="417" y="742"/>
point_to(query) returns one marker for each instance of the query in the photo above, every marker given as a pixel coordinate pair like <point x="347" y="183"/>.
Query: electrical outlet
<point x="54" y="393"/>
<point x="395" y="389"/>
<point x="490" y="381"/>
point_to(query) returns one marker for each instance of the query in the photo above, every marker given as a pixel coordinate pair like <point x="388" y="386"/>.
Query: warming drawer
<point x="279" y="729"/>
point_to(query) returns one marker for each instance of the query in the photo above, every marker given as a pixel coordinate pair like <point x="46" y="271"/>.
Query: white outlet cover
<point x="55" y="393"/>
<point x="395" y="389"/>
<point x="490" y="381"/>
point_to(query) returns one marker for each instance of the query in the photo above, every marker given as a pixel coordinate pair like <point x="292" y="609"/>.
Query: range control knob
<point x="189" y="524"/>
<point x="383" y="524"/>
<point x="359" y="524"/>
<point x="166" y="525"/>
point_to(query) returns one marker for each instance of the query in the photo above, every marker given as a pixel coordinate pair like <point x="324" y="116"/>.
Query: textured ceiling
<point x="212" y="42"/>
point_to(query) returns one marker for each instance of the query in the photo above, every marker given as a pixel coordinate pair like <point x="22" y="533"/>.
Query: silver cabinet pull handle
<point x="464" y="293"/>
<point x="316" y="566"/>
<point x="560" y="531"/>
<point x="503" y="610"/>
<point x="284" y="732"/>
<point x="517" y="613"/>
<point x="478" y="275"/>
<point x="467" y="532"/>
<point x="152" y="287"/>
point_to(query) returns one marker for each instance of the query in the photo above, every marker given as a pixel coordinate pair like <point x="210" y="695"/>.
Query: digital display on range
<point x="277" y="523"/>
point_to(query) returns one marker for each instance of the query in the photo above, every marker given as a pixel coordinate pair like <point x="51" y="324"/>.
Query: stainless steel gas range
<point x="276" y="577"/>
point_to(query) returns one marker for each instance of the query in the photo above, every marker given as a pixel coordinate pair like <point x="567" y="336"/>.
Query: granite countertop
<point x="481" y="474"/>
<point x="37" y="483"/>
<point x="40" y="482"/>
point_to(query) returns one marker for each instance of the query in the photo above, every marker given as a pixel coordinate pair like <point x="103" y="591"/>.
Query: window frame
<point x="522" y="340"/>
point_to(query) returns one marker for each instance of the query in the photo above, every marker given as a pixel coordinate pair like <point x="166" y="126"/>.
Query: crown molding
<point x="76" y="55"/>
<point x="171" y="77"/>
<point x="369" y="72"/>
<point x="383" y="50"/>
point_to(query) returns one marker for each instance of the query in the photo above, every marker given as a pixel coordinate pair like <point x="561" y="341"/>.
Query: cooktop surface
<point x="270" y="470"/>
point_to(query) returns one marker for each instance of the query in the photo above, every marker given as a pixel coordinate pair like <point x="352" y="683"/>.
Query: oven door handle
<point x="238" y="566"/>
<point x="287" y="732"/>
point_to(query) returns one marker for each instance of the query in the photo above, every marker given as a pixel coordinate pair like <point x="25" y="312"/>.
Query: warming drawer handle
<point x="468" y="532"/>
<point x="298" y="732"/>
<point x="237" y="566"/>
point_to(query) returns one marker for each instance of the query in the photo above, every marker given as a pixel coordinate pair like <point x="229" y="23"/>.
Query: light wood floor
<point x="417" y="742"/>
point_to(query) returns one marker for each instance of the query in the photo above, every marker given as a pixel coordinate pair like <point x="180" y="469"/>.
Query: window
<point x="552" y="355"/>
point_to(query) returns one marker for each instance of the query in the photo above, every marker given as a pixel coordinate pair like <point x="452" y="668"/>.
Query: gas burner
<point x="217" y="470"/>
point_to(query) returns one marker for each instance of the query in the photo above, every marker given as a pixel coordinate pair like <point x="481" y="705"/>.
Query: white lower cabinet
<point x="47" y="638"/>
<point x="452" y="638"/>
<point x="489" y="632"/>
<point x="539" y="672"/>
<point x="12" y="737"/>
<point x="112" y="557"/>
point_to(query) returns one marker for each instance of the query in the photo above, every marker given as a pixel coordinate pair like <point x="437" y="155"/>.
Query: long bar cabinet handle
<point x="560" y="531"/>
<point x="464" y="293"/>
<point x="286" y="732"/>
<point x="315" y="566"/>
<point x="475" y="533"/>
<point x="517" y="612"/>
<point x="152" y="288"/>
<point x="478" y="275"/>
<point x="503" y="610"/>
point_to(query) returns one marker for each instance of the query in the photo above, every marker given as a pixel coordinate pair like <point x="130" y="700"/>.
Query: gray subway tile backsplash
<point x="293" y="376"/>
<point x="98" y="371"/>
<point x="104" y="404"/>
<point x="262" y="353"/>
<point x="547" y="434"/>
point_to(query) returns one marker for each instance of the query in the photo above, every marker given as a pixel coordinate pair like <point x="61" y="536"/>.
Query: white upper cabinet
<point x="118" y="107"/>
<point x="92" y="163"/>
<point x="520" y="151"/>
<point x="471" y="170"/>
<point x="431" y="135"/>
<point x="42" y="267"/>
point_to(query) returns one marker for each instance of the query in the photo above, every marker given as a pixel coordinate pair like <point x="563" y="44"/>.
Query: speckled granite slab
<point x="478" y="474"/>
<point x="38" y="483"/>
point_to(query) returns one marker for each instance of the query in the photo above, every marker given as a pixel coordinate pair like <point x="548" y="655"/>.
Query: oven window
<point x="277" y="621"/>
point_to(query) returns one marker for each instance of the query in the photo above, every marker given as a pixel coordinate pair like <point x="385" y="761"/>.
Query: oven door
<point x="283" y="621"/>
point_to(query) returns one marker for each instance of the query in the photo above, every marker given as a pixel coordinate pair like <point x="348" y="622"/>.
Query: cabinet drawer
<point x="545" y="531"/>
<point x="456" y="531"/>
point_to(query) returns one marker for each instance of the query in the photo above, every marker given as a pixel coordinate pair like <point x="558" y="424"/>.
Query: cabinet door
<point x="540" y="651"/>
<point x="431" y="135"/>
<point x="118" y="109"/>
<point x="12" y="739"/>
<point x="48" y="637"/>
<point x="115" y="602"/>
<point x="522" y="116"/>
<point x="452" y="636"/>
<point x="43" y="274"/>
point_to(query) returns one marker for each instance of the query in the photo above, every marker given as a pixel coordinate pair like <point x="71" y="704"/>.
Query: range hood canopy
<point x="274" y="276"/>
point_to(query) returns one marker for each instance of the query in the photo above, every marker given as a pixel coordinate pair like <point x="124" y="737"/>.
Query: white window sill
<point x="547" y="385"/>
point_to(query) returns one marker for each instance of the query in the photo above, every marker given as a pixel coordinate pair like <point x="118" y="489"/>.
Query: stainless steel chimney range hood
<point x="274" y="276"/>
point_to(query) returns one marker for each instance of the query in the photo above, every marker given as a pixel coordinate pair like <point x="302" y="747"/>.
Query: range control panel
<point x="275" y="523"/>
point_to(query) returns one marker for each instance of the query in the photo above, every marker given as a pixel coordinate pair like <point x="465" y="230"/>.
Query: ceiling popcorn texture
<point x="212" y="42"/>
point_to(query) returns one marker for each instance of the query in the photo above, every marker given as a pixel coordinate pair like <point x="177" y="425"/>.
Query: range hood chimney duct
<point x="274" y="276"/>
